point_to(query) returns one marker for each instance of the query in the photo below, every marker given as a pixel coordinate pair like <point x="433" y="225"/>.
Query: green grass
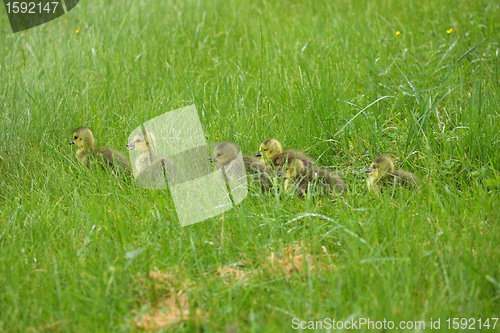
<point x="83" y="251"/>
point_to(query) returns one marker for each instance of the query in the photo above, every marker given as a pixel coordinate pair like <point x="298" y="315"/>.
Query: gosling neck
<point x="88" y="145"/>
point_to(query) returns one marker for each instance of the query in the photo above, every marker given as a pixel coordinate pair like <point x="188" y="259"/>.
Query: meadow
<point x="343" y="81"/>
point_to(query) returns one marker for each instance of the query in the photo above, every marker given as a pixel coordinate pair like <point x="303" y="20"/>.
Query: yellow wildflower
<point x="76" y="31"/>
<point x="398" y="33"/>
<point x="449" y="31"/>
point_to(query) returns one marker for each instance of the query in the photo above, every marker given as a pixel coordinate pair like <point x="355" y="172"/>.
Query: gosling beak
<point x="72" y="143"/>
<point x="215" y="159"/>
<point x="130" y="145"/>
<point x="369" y="170"/>
<point x="258" y="154"/>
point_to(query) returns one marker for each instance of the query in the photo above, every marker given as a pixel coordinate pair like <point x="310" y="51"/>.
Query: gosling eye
<point x="75" y="137"/>
<point x="264" y="149"/>
<point x="219" y="155"/>
<point x="374" y="167"/>
<point x="138" y="140"/>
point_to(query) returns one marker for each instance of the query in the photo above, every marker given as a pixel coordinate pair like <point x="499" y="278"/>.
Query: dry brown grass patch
<point x="53" y="327"/>
<point x="294" y="260"/>
<point x="232" y="273"/>
<point x="171" y="308"/>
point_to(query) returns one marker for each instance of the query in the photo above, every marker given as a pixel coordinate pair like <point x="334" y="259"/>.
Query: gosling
<point x="272" y="153"/>
<point x="105" y="157"/>
<point x="145" y="143"/>
<point x="383" y="173"/>
<point x="225" y="152"/>
<point x="320" y="179"/>
<point x="149" y="168"/>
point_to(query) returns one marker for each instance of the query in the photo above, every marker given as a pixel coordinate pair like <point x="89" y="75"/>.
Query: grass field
<point x="84" y="251"/>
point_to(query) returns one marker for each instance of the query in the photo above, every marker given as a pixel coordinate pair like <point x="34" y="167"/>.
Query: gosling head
<point x="143" y="141"/>
<point x="381" y="167"/>
<point x="271" y="148"/>
<point x="83" y="138"/>
<point x="225" y="152"/>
